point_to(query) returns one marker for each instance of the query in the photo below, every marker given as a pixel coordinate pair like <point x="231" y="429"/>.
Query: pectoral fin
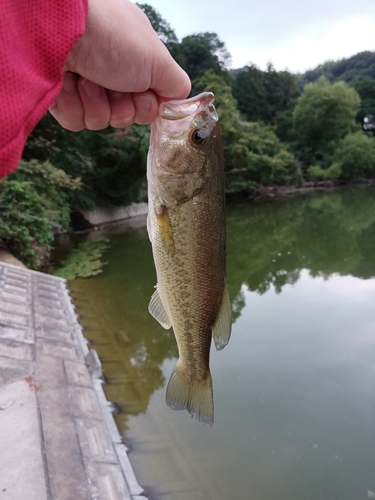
<point x="223" y="325"/>
<point x="164" y="228"/>
<point x="157" y="310"/>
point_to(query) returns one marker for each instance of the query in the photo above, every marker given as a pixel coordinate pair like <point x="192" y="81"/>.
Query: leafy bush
<point x="316" y="172"/>
<point x="324" y="114"/>
<point x="34" y="205"/>
<point x="356" y="155"/>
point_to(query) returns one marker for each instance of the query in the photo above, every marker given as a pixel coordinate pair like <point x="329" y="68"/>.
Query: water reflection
<point x="113" y="311"/>
<point x="269" y="244"/>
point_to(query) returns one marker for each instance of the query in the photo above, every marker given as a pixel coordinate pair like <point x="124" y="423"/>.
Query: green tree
<point x="160" y="25"/>
<point x="348" y="69"/>
<point x="253" y="154"/>
<point x="118" y="157"/>
<point x="250" y="93"/>
<point x="323" y="115"/>
<point x="282" y="93"/>
<point x="281" y="90"/>
<point x="201" y="52"/>
<point x="366" y="90"/>
<point x="356" y="156"/>
<point x="110" y="163"/>
<point x="268" y="96"/>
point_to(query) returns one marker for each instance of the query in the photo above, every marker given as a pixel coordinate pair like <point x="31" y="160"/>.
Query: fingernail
<point x="143" y="104"/>
<point x="92" y="89"/>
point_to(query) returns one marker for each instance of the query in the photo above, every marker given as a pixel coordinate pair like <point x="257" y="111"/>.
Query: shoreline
<point x="106" y="217"/>
<point x="135" y="214"/>
<point x="291" y="190"/>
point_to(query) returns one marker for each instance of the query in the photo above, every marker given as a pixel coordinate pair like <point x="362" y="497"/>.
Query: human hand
<point x="118" y="72"/>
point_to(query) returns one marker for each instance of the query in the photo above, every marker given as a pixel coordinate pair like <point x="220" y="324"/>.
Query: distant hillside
<point x="349" y="70"/>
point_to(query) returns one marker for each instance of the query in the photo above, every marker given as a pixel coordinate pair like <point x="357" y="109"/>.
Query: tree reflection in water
<point x="270" y="242"/>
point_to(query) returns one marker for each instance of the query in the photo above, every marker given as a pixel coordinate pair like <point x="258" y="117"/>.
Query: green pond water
<point x="294" y="389"/>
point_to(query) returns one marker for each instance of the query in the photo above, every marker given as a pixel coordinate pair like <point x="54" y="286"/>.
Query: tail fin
<point x="197" y="398"/>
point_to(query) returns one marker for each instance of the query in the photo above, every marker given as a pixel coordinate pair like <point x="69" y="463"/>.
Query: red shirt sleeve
<point x="36" y="37"/>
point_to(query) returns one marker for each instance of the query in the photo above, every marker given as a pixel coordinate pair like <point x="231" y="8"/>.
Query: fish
<point x="186" y="227"/>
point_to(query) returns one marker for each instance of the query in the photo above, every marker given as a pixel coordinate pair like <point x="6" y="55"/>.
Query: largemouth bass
<point x="186" y="225"/>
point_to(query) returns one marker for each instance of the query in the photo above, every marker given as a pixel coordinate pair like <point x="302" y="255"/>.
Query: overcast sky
<point x="292" y="34"/>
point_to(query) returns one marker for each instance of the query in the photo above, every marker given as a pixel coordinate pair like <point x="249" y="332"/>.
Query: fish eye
<point x="198" y="137"/>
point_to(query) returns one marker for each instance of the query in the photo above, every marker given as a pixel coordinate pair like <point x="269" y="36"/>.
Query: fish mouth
<point x="175" y="121"/>
<point x="175" y="117"/>
<point x="177" y="110"/>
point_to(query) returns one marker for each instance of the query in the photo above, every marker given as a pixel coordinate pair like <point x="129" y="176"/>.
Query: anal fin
<point x="223" y="325"/>
<point x="157" y="310"/>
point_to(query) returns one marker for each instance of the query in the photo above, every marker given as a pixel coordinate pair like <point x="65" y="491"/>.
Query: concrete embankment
<point x="58" y="439"/>
<point x="103" y="216"/>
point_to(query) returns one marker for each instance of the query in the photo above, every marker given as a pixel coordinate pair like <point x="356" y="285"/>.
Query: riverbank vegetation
<point x="279" y="128"/>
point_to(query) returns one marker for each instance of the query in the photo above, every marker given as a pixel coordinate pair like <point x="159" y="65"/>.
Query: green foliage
<point x="356" y="156"/>
<point x="195" y="53"/>
<point x="324" y="114"/>
<point x="119" y="164"/>
<point x="34" y="205"/>
<point x="202" y="52"/>
<point x="253" y="154"/>
<point x="110" y="163"/>
<point x="316" y="172"/>
<point x="160" y="25"/>
<point x="84" y="260"/>
<point x="262" y="95"/>
<point x="250" y="93"/>
<point x="348" y="69"/>
<point x="366" y="91"/>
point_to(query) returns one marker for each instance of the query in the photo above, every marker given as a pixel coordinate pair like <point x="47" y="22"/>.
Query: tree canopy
<point x="201" y="52"/>
<point x="324" y="114"/>
<point x="261" y="95"/>
<point x="366" y="91"/>
<point x="160" y="25"/>
<point x="349" y="69"/>
<point x="254" y="156"/>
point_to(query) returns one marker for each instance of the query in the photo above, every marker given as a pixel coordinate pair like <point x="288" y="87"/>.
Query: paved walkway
<point x="58" y="440"/>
